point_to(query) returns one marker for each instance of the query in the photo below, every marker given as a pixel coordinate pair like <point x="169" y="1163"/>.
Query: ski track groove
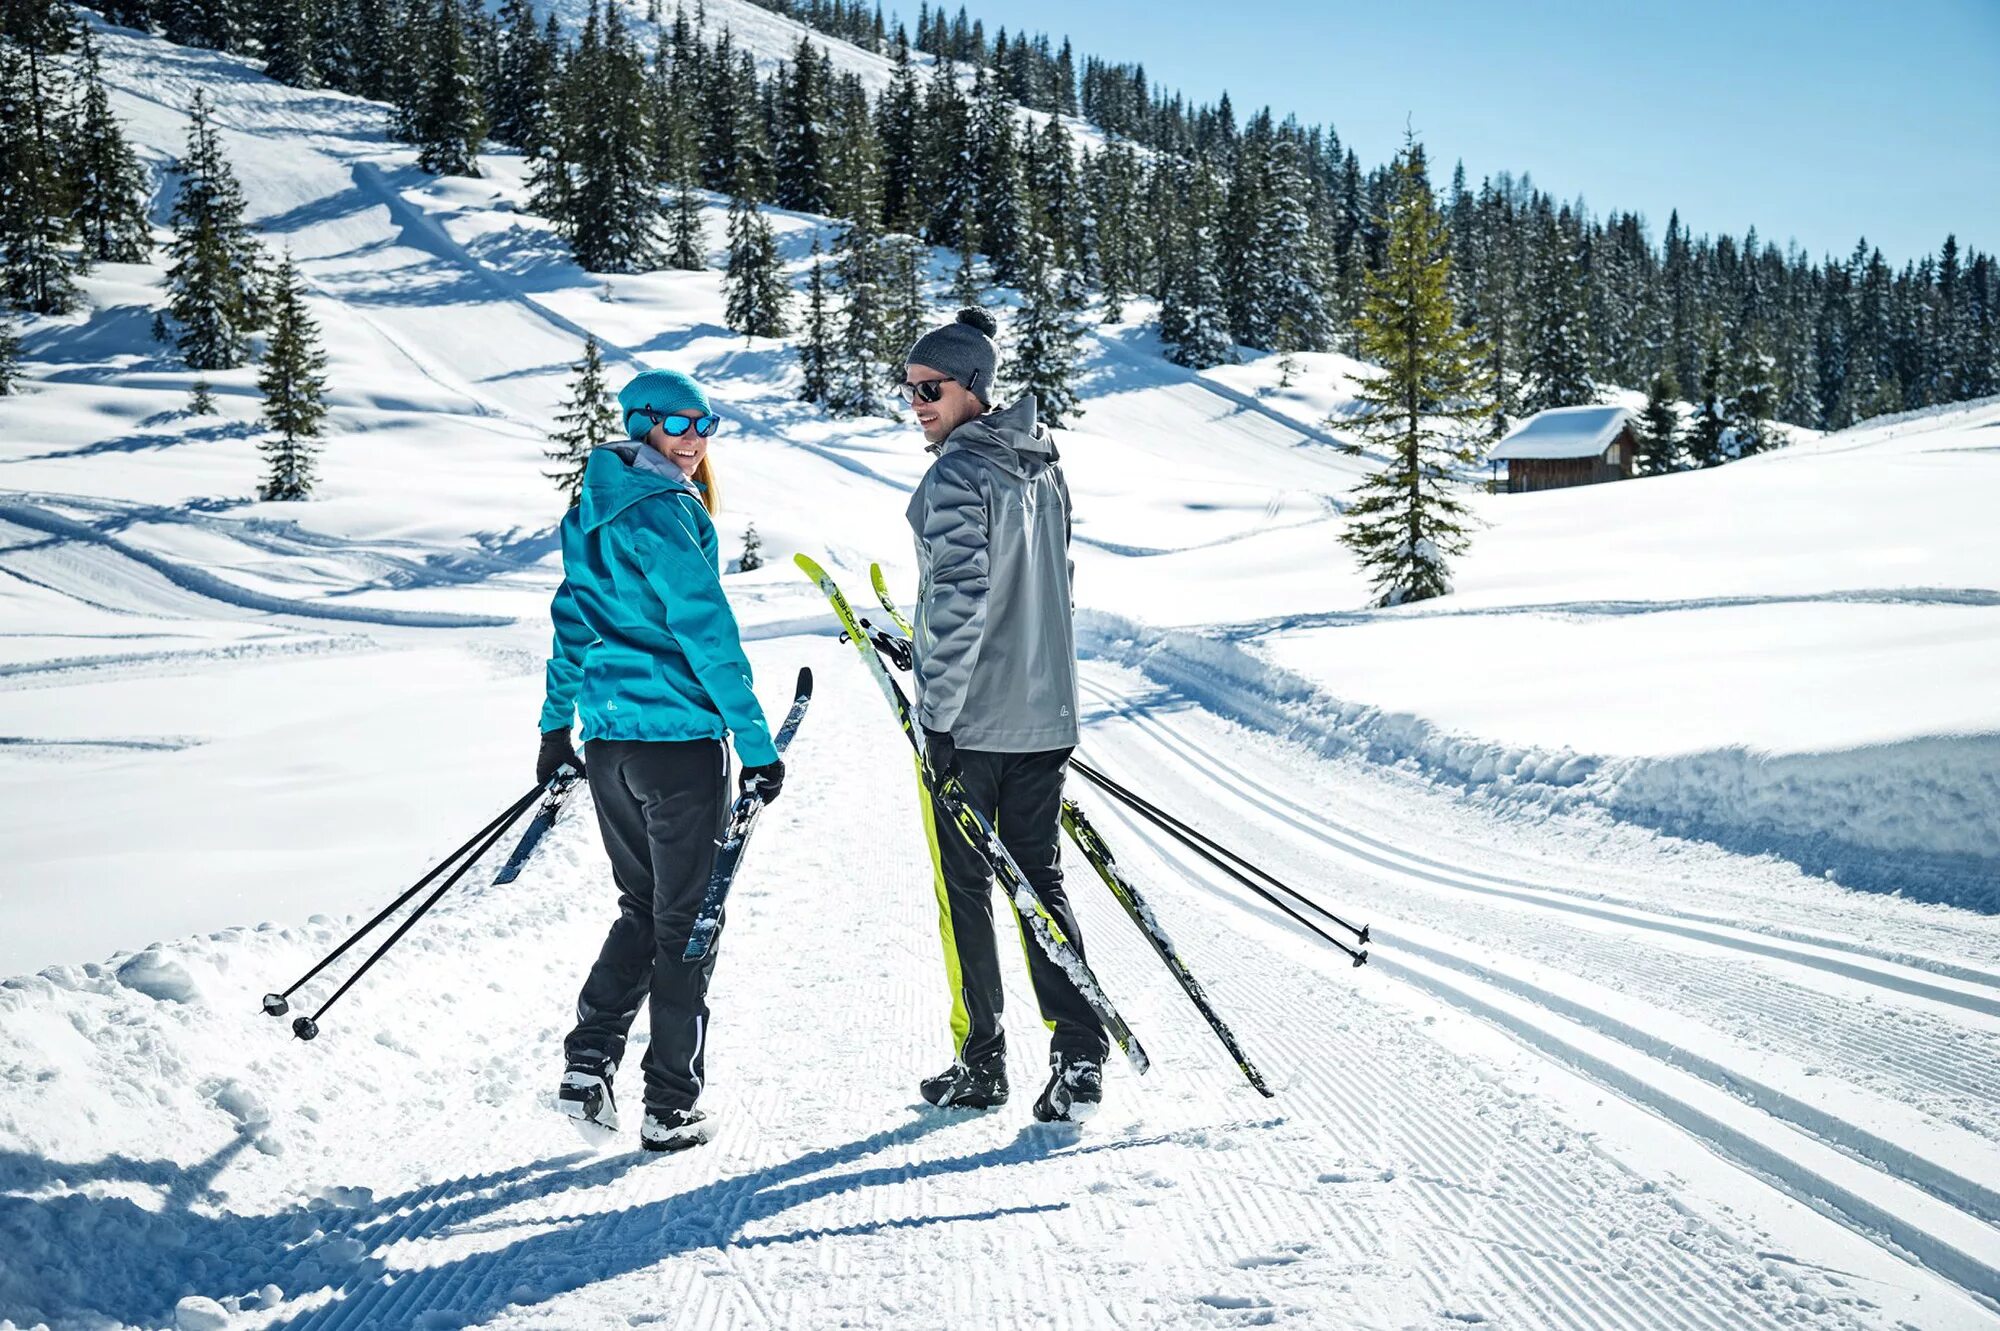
<point x="1863" y="1039"/>
<point x="1584" y="902"/>
<point x="1856" y="1212"/>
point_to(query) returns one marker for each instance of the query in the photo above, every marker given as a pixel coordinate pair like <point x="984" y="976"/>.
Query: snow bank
<point x="1914" y="817"/>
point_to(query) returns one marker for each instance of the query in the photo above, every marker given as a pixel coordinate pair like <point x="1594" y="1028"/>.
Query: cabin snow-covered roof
<point x="1563" y="432"/>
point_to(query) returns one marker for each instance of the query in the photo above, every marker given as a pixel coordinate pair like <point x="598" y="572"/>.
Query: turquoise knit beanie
<point x="668" y="392"/>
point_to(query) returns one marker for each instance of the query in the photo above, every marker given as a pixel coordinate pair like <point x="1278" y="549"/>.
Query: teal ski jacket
<point x="646" y="646"/>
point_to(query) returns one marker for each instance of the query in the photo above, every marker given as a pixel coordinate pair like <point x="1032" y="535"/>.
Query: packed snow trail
<point x="404" y="1170"/>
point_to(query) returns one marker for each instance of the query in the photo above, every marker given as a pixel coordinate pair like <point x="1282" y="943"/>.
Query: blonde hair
<point x="711" y="493"/>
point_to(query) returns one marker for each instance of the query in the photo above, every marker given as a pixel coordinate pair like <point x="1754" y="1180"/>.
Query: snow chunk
<point x="157" y="975"/>
<point x="195" y="1313"/>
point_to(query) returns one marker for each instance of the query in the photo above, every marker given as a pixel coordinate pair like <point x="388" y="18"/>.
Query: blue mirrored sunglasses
<point x="676" y="426"/>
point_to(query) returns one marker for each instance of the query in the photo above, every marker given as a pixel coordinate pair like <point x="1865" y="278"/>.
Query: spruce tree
<point x="594" y="174"/>
<point x="293" y="381"/>
<point x="754" y="283"/>
<point x="135" y="14"/>
<point x="1752" y="401"/>
<point x="10" y="355"/>
<point x="1556" y="363"/>
<point x="1424" y="408"/>
<point x="1045" y="336"/>
<point x="201" y="402"/>
<point x="816" y="350"/>
<point x="1708" y="433"/>
<point x="520" y="91"/>
<point x="687" y="238"/>
<point x="214" y="284"/>
<point x="1660" y="426"/>
<point x="450" y="120"/>
<point x="1194" y="321"/>
<point x="588" y="420"/>
<point x="896" y="129"/>
<point x="802" y="130"/>
<point x="37" y="199"/>
<point x="861" y="351"/>
<point x="752" y="558"/>
<point x="111" y="187"/>
<point x="288" y="42"/>
<point x="906" y="310"/>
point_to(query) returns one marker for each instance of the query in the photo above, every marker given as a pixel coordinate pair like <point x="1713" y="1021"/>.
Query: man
<point x="996" y="696"/>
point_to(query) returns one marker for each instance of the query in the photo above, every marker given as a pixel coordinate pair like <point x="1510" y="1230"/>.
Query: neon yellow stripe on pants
<point x="961" y="1020"/>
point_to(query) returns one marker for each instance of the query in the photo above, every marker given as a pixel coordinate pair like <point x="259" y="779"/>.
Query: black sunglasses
<point x="676" y="426"/>
<point x="926" y="390"/>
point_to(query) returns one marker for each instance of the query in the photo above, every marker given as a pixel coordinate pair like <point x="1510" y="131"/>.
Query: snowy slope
<point x="1595" y="1076"/>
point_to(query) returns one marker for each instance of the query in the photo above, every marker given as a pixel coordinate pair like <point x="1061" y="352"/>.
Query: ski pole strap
<point x="1165" y="819"/>
<point x="496" y="830"/>
<point x="1188" y="839"/>
<point x="508" y="815"/>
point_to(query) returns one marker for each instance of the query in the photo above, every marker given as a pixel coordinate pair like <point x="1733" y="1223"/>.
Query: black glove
<point x="764" y="782"/>
<point x="941" y="756"/>
<point x="556" y="751"/>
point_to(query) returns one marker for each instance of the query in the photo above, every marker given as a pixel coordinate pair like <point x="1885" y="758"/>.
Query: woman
<point x="646" y="648"/>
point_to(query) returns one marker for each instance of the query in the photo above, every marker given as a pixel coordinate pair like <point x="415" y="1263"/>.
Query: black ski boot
<point x="675" y="1129"/>
<point x="962" y="1087"/>
<point x="585" y="1094"/>
<point x="1075" y="1089"/>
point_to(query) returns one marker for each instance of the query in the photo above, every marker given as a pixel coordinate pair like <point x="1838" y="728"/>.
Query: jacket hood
<point x="612" y="483"/>
<point x="1011" y="438"/>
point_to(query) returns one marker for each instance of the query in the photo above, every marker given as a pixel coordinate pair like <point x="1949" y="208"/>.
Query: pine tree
<point x="111" y="187"/>
<point x="135" y="14"/>
<point x="1194" y="321"/>
<point x="754" y="283"/>
<point x="816" y="350"/>
<point x="752" y="558"/>
<point x="450" y="120"/>
<point x="293" y="381"/>
<point x="968" y="286"/>
<point x="896" y="129"/>
<point x="687" y="237"/>
<point x="906" y="311"/>
<point x="1045" y="335"/>
<point x="1708" y="433"/>
<point x="201" y="402"/>
<point x="37" y="201"/>
<point x="1751" y="402"/>
<point x="214" y="284"/>
<point x="1556" y="364"/>
<point x="1424" y="408"/>
<point x="802" y="130"/>
<point x="593" y="176"/>
<point x="288" y="42"/>
<point x="520" y="92"/>
<point x="861" y="352"/>
<point x="10" y="356"/>
<point x="1660" y="426"/>
<point x="588" y="420"/>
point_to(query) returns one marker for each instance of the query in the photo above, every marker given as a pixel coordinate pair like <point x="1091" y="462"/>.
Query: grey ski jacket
<point x="995" y="646"/>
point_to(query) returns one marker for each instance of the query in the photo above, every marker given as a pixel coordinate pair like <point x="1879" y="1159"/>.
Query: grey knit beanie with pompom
<point x="963" y="349"/>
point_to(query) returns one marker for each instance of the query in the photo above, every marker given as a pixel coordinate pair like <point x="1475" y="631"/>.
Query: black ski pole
<point x="1138" y="801"/>
<point x="276" y="1005"/>
<point x="1092" y="844"/>
<point x="307" y="1028"/>
<point x="1194" y="841"/>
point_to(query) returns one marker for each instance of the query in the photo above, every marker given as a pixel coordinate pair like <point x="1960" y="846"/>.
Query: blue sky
<point x="1817" y="122"/>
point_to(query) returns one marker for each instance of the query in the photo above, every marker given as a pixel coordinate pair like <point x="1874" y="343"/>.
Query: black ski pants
<point x="1021" y="795"/>
<point x="661" y="806"/>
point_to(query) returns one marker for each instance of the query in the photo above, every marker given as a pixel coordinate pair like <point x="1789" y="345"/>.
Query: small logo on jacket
<point x="1063" y="710"/>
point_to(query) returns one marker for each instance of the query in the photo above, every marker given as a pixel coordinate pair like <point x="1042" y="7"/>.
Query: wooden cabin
<point x="1566" y="446"/>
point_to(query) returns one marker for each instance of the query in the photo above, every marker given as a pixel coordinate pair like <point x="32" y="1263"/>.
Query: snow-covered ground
<point x="1623" y="1057"/>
